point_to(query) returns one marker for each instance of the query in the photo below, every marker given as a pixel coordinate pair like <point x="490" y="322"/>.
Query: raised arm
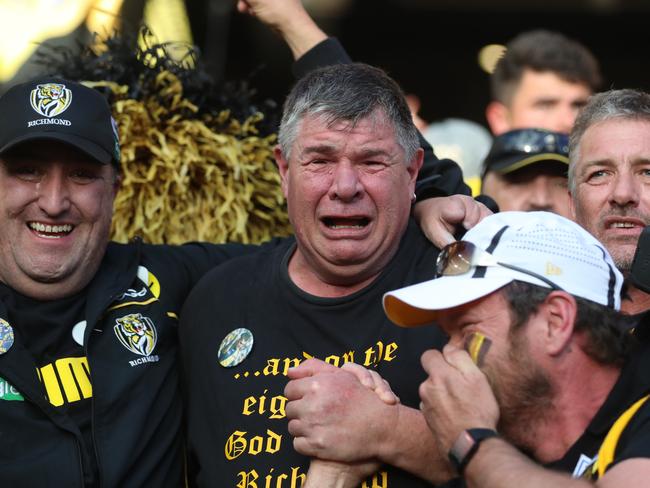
<point x="311" y="49"/>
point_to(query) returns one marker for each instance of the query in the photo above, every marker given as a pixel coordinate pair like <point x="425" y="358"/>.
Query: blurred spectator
<point x="526" y="169"/>
<point x="542" y="81"/>
<point x="463" y="141"/>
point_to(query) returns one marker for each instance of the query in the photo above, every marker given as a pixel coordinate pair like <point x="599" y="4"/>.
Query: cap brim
<point x="85" y="146"/>
<point x="421" y="303"/>
<point x="537" y="158"/>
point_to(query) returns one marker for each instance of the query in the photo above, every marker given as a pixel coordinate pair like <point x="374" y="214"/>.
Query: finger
<point x="309" y="368"/>
<point x="303" y="446"/>
<point x="386" y="394"/>
<point x="383" y="390"/>
<point x="459" y="359"/>
<point x="297" y="389"/>
<point x="242" y="7"/>
<point x="296" y="428"/>
<point x="431" y="360"/>
<point x="360" y="373"/>
<point x="442" y="236"/>
<point x="293" y="409"/>
<point x="472" y="213"/>
<point x="475" y="214"/>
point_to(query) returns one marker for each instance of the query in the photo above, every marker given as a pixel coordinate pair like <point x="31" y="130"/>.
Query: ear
<point x="572" y="206"/>
<point x="559" y="310"/>
<point x="283" y="168"/>
<point x="117" y="183"/>
<point x="414" y="168"/>
<point x="498" y="118"/>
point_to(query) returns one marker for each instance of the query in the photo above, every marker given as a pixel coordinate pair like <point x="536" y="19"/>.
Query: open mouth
<point x="50" y="231"/>
<point x="346" y="223"/>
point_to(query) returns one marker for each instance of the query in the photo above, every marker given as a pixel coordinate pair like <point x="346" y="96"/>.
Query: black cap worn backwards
<point x="519" y="148"/>
<point x="61" y="110"/>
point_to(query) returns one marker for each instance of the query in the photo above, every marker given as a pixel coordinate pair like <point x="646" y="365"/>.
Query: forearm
<point x="301" y="33"/>
<point x="410" y="446"/>
<point x="330" y="474"/>
<point x="497" y="464"/>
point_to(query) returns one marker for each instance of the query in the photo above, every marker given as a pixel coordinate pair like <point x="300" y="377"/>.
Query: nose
<point x="540" y="196"/>
<point x="53" y="193"/>
<point x="346" y="184"/>
<point x="564" y="119"/>
<point x="625" y="190"/>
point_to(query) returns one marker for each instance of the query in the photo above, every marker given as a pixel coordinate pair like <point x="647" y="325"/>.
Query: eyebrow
<point x="329" y="149"/>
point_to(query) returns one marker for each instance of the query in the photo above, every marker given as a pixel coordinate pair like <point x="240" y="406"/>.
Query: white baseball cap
<point x="541" y="248"/>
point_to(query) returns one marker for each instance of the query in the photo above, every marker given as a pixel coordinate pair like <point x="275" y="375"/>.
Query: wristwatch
<point x="466" y="445"/>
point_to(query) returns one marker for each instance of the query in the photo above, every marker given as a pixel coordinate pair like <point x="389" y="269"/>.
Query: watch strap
<point x="466" y="445"/>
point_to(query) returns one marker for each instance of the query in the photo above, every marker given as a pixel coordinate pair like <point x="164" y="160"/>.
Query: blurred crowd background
<point x="430" y="46"/>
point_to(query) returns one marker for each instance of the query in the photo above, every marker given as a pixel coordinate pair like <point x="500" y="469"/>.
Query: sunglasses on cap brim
<point x="461" y="257"/>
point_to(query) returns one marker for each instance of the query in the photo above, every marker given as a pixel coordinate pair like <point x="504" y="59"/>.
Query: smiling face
<point x="349" y="192"/>
<point x="56" y="206"/>
<point x="611" y="194"/>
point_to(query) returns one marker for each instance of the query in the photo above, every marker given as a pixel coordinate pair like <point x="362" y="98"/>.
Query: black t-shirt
<point x="46" y="330"/>
<point x="237" y="426"/>
<point x="633" y="384"/>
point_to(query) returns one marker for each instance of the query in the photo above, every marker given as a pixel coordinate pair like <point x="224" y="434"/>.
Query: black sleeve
<point x="197" y="258"/>
<point x="438" y="177"/>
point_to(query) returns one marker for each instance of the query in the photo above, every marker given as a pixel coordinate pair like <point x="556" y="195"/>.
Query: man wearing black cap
<point x="88" y="381"/>
<point x="526" y="169"/>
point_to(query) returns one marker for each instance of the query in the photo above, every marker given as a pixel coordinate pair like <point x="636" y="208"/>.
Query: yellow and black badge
<point x="235" y="347"/>
<point x="6" y="336"/>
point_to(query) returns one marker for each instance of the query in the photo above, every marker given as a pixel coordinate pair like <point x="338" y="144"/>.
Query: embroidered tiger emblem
<point x="136" y="333"/>
<point x="50" y="99"/>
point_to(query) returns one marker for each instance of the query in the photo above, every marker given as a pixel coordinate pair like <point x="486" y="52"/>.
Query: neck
<point x="332" y="284"/>
<point x="580" y="392"/>
<point x="636" y="301"/>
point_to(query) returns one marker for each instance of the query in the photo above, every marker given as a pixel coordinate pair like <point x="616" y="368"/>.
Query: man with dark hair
<point x="541" y="81"/>
<point x="348" y="156"/>
<point x="539" y="380"/>
<point x="609" y="178"/>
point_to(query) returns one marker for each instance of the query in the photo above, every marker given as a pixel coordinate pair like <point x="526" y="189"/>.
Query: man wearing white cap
<point x="537" y="362"/>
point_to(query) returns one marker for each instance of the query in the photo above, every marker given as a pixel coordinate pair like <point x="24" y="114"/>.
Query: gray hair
<point x="348" y="92"/>
<point x="613" y="104"/>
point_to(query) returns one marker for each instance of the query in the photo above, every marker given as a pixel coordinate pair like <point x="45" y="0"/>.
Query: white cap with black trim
<point x="543" y="243"/>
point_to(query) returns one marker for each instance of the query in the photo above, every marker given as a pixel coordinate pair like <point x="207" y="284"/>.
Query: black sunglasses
<point x="460" y="257"/>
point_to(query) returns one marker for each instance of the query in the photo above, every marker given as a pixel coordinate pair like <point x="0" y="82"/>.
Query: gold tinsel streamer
<point x="186" y="179"/>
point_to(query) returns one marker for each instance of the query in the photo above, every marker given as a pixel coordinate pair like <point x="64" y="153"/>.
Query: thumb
<point x="309" y="368"/>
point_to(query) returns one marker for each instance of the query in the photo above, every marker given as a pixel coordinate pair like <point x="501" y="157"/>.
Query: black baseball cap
<point x="519" y="148"/>
<point x="62" y="110"/>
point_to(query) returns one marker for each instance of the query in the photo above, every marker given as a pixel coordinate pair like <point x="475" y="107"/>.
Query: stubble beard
<point x="524" y="393"/>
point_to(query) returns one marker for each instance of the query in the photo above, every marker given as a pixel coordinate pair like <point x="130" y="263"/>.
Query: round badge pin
<point x="235" y="347"/>
<point x="6" y="336"/>
<point x="78" y="332"/>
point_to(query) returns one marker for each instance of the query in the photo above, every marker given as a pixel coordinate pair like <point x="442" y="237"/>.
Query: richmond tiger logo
<point x="136" y="333"/>
<point x="50" y="99"/>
